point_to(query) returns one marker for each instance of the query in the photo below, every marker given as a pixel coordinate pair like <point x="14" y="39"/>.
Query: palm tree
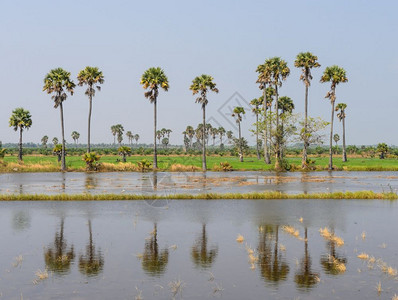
<point x="278" y="72"/>
<point x="256" y="103"/>
<point x="264" y="79"/>
<point x="221" y="133"/>
<point x="136" y="137"/>
<point x="202" y="84"/>
<point x="159" y="135"/>
<point x="55" y="141"/>
<point x="229" y="135"/>
<point x="75" y="136"/>
<point x="118" y="130"/>
<point x="92" y="77"/>
<point x="130" y="136"/>
<point x="154" y="262"/>
<point x="335" y="75"/>
<point x="20" y="119"/>
<point x="341" y="116"/>
<point x="124" y="151"/>
<point x="190" y="133"/>
<point x="269" y="94"/>
<point x="114" y="132"/>
<point x="44" y="141"/>
<point x="214" y="133"/>
<point x="58" y="83"/>
<point x="238" y="112"/>
<point x="306" y="61"/>
<point x="286" y="105"/>
<point x="153" y="79"/>
<point x="165" y="142"/>
<point x="91" y="264"/>
<point x="202" y="256"/>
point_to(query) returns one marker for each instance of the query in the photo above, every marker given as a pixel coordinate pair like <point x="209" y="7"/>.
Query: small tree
<point x="44" y="141"/>
<point x="91" y="159"/>
<point x="75" y="136"/>
<point x="20" y="119"/>
<point x="336" y="138"/>
<point x="165" y="142"/>
<point x="383" y="149"/>
<point x="58" y="151"/>
<point x="55" y="141"/>
<point x="124" y="151"/>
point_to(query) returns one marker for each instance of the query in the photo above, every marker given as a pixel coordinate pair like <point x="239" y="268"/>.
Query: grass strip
<point x="207" y="196"/>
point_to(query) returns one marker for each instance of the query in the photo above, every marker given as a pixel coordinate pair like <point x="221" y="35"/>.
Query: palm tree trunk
<point x="266" y="152"/>
<point x="304" y="160"/>
<point x="277" y="134"/>
<point x="270" y="133"/>
<point x="344" y="151"/>
<point x="257" y="148"/>
<point x="89" y="123"/>
<point x="20" y="145"/>
<point x="63" y="164"/>
<point x="331" y="139"/>
<point x="155" y="154"/>
<point x="204" y="166"/>
<point x="240" y="144"/>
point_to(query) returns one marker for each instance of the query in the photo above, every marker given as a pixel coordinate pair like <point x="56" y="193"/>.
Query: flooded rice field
<point x="199" y="249"/>
<point x="188" y="182"/>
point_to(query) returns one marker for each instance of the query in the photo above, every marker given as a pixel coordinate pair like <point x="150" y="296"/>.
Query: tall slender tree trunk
<point x="89" y="123"/>
<point x="257" y="146"/>
<point x="155" y="154"/>
<point x="278" y="164"/>
<point x="63" y="164"/>
<point x="331" y="136"/>
<point x="344" y="151"/>
<point x="204" y="166"/>
<point x="20" y="145"/>
<point x="266" y="152"/>
<point x="240" y="143"/>
<point x="270" y="133"/>
<point x="304" y="160"/>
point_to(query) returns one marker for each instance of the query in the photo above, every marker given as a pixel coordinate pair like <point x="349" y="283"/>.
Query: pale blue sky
<point x="226" y="39"/>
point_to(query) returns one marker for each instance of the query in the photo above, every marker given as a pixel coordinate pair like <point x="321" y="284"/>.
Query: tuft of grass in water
<point x="363" y="195"/>
<point x="176" y="287"/>
<point x="378" y="288"/>
<point x="18" y="261"/>
<point x="363" y="235"/>
<point x="395" y="297"/>
<point x="240" y="239"/>
<point x="119" y="167"/>
<point x="363" y="256"/>
<point x="40" y="275"/>
<point x="291" y="230"/>
<point x="326" y="234"/>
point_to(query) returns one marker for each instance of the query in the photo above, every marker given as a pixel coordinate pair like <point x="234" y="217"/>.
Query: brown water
<point x="120" y="250"/>
<point x="188" y="182"/>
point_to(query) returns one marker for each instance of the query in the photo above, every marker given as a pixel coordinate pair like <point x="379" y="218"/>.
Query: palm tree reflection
<point x="305" y="278"/>
<point x="201" y="255"/>
<point x="57" y="257"/>
<point x="273" y="266"/>
<point x="91" y="264"/>
<point x="154" y="262"/>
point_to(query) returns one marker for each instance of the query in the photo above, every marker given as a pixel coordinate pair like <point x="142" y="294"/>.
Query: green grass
<point x="264" y="195"/>
<point x="35" y="163"/>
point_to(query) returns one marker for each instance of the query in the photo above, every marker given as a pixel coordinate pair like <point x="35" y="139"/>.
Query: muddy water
<point x="188" y="250"/>
<point x="216" y="182"/>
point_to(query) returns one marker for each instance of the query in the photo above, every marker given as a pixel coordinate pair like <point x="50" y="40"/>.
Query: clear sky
<point x="225" y="38"/>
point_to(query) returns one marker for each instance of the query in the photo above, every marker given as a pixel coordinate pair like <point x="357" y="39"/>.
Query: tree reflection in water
<point x="91" y="182"/>
<point x="305" y="278"/>
<point x="273" y="266"/>
<point x="201" y="255"/>
<point x="154" y="262"/>
<point x="91" y="264"/>
<point x="332" y="262"/>
<point x="57" y="257"/>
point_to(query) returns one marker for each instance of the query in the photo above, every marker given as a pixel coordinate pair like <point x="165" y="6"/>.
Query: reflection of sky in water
<point x="102" y="250"/>
<point x="218" y="182"/>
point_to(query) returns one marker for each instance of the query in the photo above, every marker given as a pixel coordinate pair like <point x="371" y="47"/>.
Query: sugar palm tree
<point x="341" y="115"/>
<point x="264" y="79"/>
<point x="285" y="105"/>
<point x="190" y="133"/>
<point x="154" y="260"/>
<point x="334" y="75"/>
<point x="238" y="112"/>
<point x="75" y="136"/>
<point x="201" y="85"/>
<point x="229" y="135"/>
<point x="221" y="133"/>
<point x="279" y="71"/>
<point x="130" y="136"/>
<point x="214" y="133"/>
<point x="92" y="263"/>
<point x="256" y="103"/>
<point x="202" y="255"/>
<point x="136" y="137"/>
<point x="20" y="119"/>
<point x="124" y="151"/>
<point x="336" y="138"/>
<point x="44" y="141"/>
<point x="92" y="77"/>
<point x="152" y="80"/>
<point x="306" y="61"/>
<point x="55" y="141"/>
<point x="58" y="83"/>
<point x="114" y="132"/>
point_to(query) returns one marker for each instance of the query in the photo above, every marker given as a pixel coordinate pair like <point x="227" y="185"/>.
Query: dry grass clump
<point x="378" y="288"/>
<point x="291" y="230"/>
<point x="183" y="168"/>
<point x="176" y="287"/>
<point x="326" y="234"/>
<point x="44" y="166"/>
<point x="363" y="256"/>
<point x="395" y="297"/>
<point x="240" y="238"/>
<point x="119" y="167"/>
<point x="363" y="235"/>
<point x="40" y="275"/>
<point x="18" y="261"/>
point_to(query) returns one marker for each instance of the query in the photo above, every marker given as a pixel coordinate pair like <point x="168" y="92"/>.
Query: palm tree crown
<point x="58" y="81"/>
<point x="202" y="84"/>
<point x="92" y="77"/>
<point x="341" y="107"/>
<point x="20" y="119"/>
<point x="152" y="79"/>
<point x="306" y="61"/>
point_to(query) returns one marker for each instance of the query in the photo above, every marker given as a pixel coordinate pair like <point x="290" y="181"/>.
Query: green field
<point x="34" y="163"/>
